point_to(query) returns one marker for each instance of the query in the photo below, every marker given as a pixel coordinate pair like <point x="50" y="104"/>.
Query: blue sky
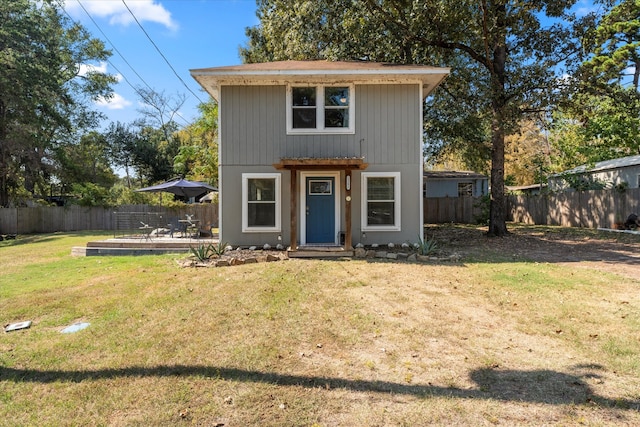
<point x="189" y="33"/>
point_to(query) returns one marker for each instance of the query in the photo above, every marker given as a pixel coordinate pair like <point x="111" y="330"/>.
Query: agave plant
<point x="426" y="247"/>
<point x="205" y="252"/>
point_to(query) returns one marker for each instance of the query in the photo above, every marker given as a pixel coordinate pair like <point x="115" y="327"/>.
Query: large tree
<point x="504" y="54"/>
<point x="84" y="162"/>
<point x="197" y="158"/>
<point x="600" y="118"/>
<point x="45" y="95"/>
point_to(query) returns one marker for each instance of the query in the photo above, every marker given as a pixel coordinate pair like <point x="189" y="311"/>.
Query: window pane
<point x="336" y="118"/>
<point x="336" y="96"/>
<point x="465" y="189"/>
<point x="261" y="214"/>
<point x="380" y="188"/>
<point x="262" y="190"/>
<point x="380" y="213"/>
<point x="304" y="96"/>
<point x="304" y="118"/>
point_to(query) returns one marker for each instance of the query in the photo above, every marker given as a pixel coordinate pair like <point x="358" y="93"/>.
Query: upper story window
<point x="320" y="109"/>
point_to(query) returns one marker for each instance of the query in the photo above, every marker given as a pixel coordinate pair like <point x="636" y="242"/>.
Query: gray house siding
<point x="253" y="125"/>
<point x="231" y="207"/>
<point x="387" y="135"/>
<point x="629" y="175"/>
<point x="449" y="187"/>
<point x="410" y="197"/>
<point x="609" y="173"/>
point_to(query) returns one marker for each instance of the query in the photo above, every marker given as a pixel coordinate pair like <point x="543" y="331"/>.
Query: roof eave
<point x="212" y="79"/>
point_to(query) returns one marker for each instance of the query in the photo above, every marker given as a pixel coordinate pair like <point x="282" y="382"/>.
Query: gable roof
<point x="606" y="165"/>
<point x="283" y="72"/>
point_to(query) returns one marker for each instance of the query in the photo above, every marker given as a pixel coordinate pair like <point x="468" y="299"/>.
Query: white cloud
<point x="86" y="68"/>
<point x="116" y="102"/>
<point x="100" y="68"/>
<point x="117" y="13"/>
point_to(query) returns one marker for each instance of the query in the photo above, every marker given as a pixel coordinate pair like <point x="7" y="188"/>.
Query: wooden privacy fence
<point x="589" y="209"/>
<point x="439" y="210"/>
<point x="78" y="218"/>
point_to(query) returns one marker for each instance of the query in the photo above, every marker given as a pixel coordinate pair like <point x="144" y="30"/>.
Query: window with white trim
<point x="320" y="109"/>
<point x="260" y="202"/>
<point x="381" y="201"/>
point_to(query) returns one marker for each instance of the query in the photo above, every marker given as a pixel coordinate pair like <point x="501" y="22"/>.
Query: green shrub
<point x="205" y="252"/>
<point x="427" y="247"/>
<point x="483" y="203"/>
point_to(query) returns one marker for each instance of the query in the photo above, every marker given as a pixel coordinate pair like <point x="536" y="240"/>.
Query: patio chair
<point x="176" y="225"/>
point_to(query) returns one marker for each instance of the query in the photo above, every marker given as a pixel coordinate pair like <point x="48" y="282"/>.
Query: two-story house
<point x="318" y="153"/>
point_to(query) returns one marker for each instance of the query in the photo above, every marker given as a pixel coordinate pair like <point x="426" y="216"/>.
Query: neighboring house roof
<point x="525" y="187"/>
<point x="605" y="165"/>
<point x="280" y="72"/>
<point x="453" y="175"/>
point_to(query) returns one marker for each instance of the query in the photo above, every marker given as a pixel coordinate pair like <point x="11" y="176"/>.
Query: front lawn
<point x="495" y="339"/>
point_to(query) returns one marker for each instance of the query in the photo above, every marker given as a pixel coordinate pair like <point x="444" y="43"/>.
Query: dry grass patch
<point x="321" y="343"/>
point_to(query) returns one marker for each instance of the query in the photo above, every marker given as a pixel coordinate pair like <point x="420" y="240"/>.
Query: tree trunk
<point x="497" y="207"/>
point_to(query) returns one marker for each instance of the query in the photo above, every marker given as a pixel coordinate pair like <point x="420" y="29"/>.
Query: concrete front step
<point x="319" y="252"/>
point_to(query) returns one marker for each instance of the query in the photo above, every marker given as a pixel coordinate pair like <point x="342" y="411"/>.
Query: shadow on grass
<point x="540" y="386"/>
<point x="537" y="244"/>
<point x="23" y="239"/>
<point x="33" y="238"/>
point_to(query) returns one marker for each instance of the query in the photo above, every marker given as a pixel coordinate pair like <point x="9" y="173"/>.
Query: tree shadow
<point x="539" y="244"/>
<point x="538" y="386"/>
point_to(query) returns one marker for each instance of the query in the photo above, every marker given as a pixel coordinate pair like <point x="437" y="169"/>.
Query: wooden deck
<point x="140" y="246"/>
<point x="164" y="245"/>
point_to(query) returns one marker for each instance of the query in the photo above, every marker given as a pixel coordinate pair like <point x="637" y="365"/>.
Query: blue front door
<point x="320" y="210"/>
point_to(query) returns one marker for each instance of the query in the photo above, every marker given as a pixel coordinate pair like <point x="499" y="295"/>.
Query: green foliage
<point x="84" y="163"/>
<point x="484" y="204"/>
<point x="600" y="116"/>
<point x="499" y="72"/>
<point x="44" y="102"/>
<point x="89" y="194"/>
<point x="121" y="194"/>
<point x="580" y="182"/>
<point x="220" y="248"/>
<point x="204" y="252"/>
<point x="197" y="156"/>
<point x="616" y="44"/>
<point x="427" y="247"/>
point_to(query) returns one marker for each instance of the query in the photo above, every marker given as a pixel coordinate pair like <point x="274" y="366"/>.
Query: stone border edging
<point x="235" y="258"/>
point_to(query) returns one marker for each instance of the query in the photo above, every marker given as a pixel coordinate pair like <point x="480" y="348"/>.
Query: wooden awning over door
<point x="328" y="164"/>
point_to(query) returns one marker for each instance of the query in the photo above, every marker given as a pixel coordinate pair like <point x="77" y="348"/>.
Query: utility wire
<point x="160" y="52"/>
<point x="136" y="89"/>
<point x="113" y="45"/>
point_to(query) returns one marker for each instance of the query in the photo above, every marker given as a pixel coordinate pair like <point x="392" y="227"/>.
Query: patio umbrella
<point x="181" y="187"/>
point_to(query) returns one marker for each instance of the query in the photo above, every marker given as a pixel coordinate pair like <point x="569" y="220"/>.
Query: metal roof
<point x="453" y="175"/>
<point x="606" y="165"/>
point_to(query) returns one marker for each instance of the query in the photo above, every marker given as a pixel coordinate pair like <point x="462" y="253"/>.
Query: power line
<point x="112" y="44"/>
<point x="137" y="90"/>
<point x="160" y="52"/>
